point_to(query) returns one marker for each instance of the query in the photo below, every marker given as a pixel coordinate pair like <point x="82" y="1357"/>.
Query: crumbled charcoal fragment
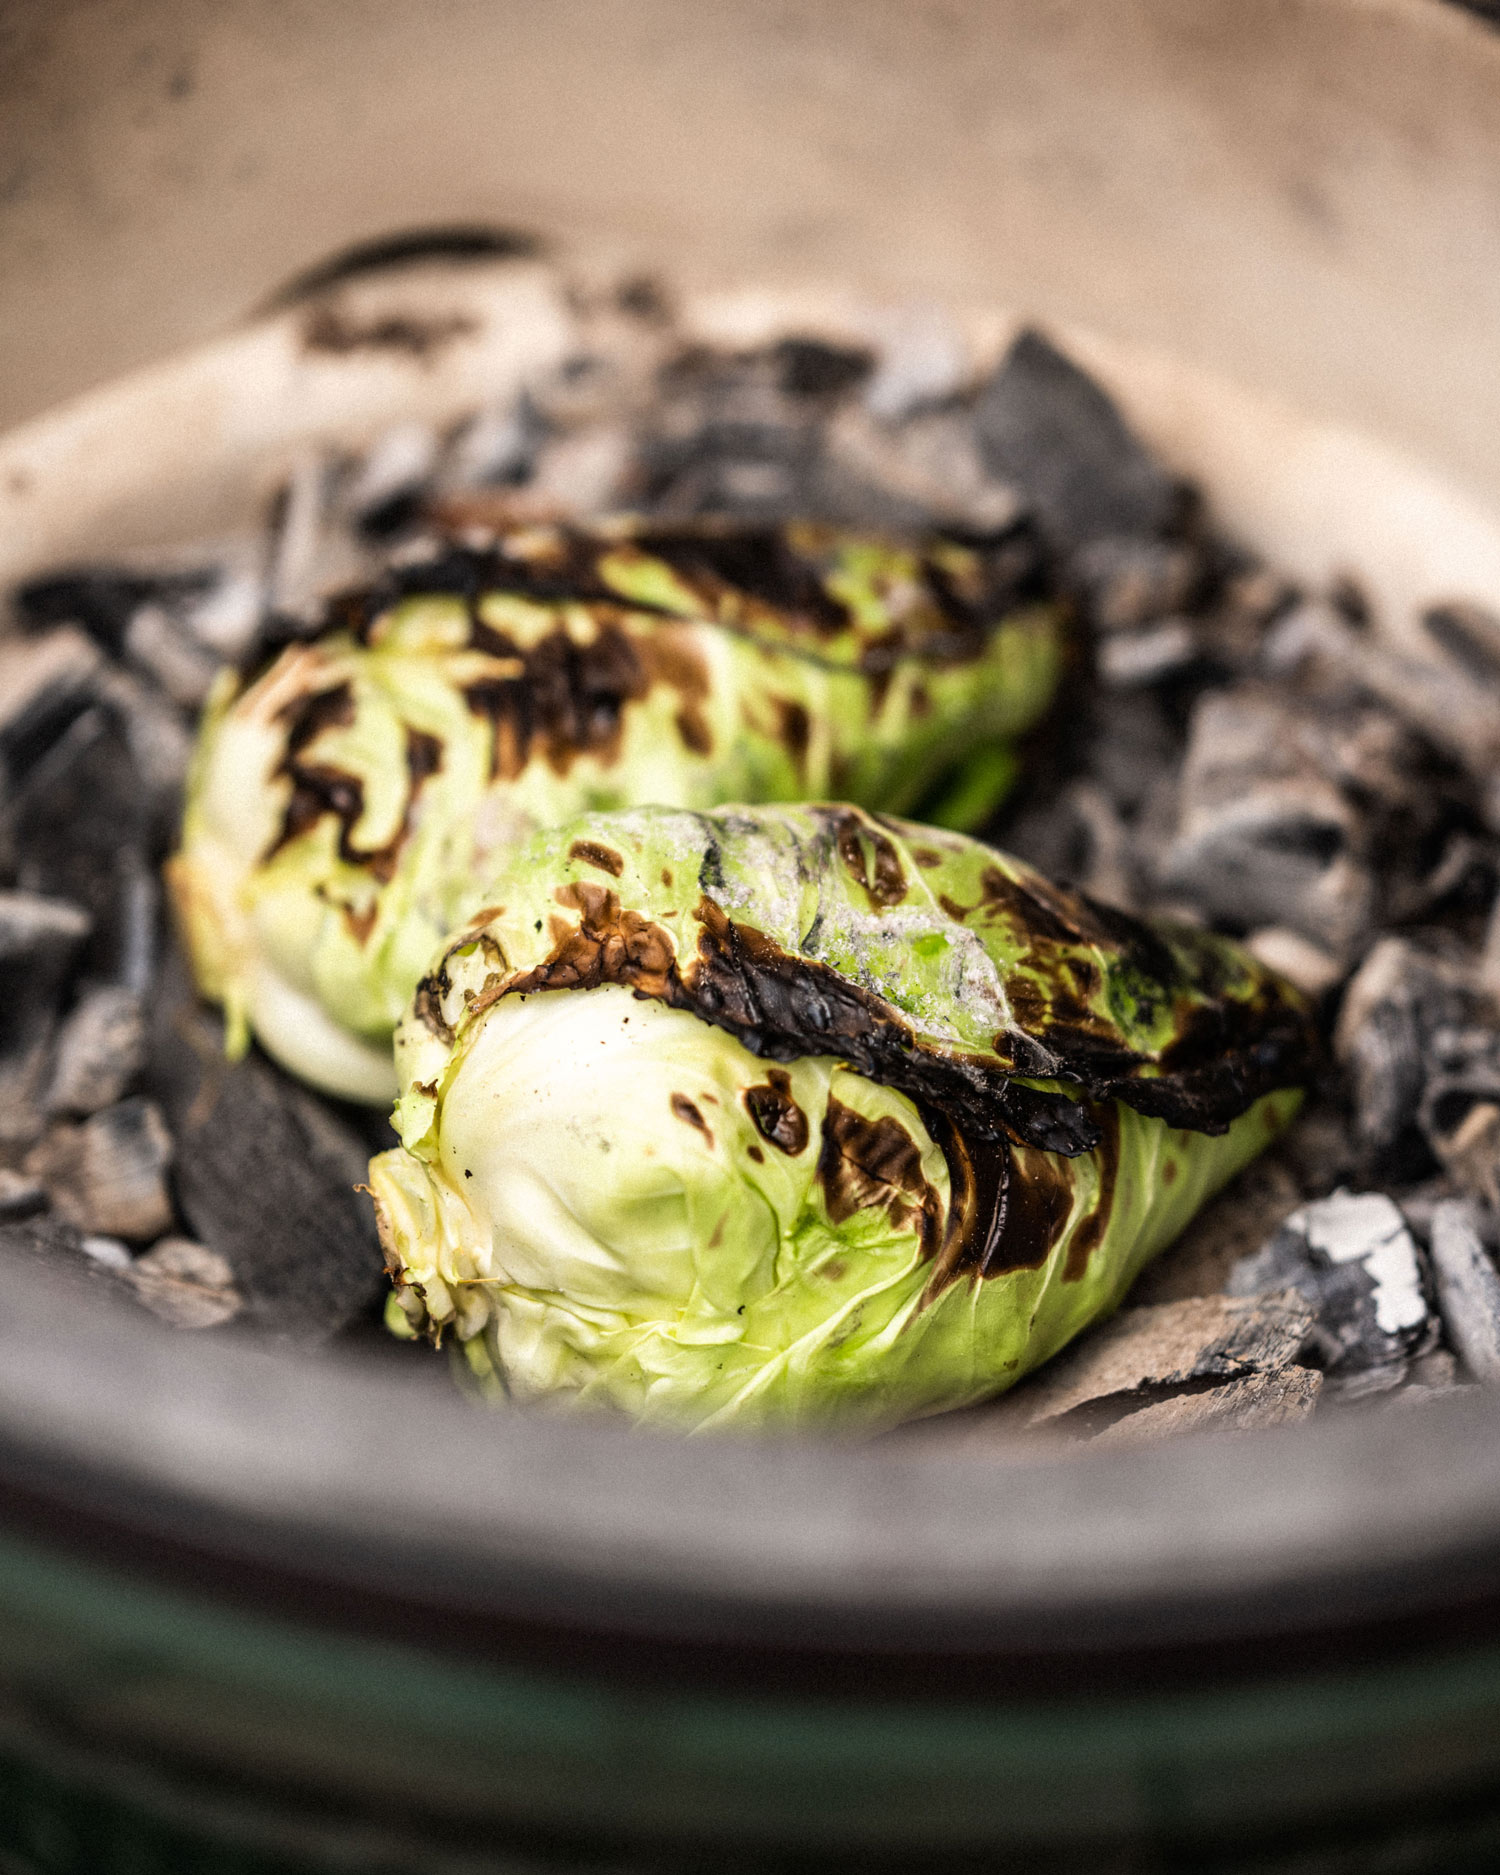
<point x="21" y="1196"/>
<point x="306" y="1258"/>
<point x="1468" y="1287"/>
<point x="1286" y="806"/>
<point x="100" y="1049"/>
<point x="1355" y="1262"/>
<point x="1173" y="1344"/>
<point x="1142" y="1358"/>
<point x="109" y="1174"/>
<point x="1246" y="1405"/>
<point x="185" y="1284"/>
<point x="82" y="829"/>
<point x="1046" y="427"/>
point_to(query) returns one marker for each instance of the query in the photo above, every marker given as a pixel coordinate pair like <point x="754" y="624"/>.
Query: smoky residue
<point x="777" y="1117"/>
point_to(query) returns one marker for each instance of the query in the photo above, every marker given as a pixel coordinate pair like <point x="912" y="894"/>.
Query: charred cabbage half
<point x="347" y="798"/>
<point x="793" y="1113"/>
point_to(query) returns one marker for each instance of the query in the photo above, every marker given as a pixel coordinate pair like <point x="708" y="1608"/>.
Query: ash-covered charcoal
<point x="265" y="1175"/>
<point x="1450" y="695"/>
<point x="1146" y="1353"/>
<point x="1403" y="995"/>
<point x="1468" y="1287"/>
<point x="496" y="449"/>
<point x="1047" y="428"/>
<point x="1147" y="1370"/>
<point x="100" y="1049"/>
<point x="21" y="1195"/>
<point x="1459" y="1111"/>
<point x="1246" y="1405"/>
<point x="40" y="942"/>
<point x="82" y="829"/>
<point x="740" y="433"/>
<point x="44" y="684"/>
<point x="185" y="1284"/>
<point x="1285" y="805"/>
<point x="1314" y="970"/>
<point x="311" y="552"/>
<point x="109" y="1174"/>
<point x="1354" y="1260"/>
<point x="157" y="737"/>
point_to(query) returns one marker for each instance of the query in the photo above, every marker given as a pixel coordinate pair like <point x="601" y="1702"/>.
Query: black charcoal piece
<point x="83" y="829"/>
<point x="1284" y="804"/>
<point x="1354" y="1261"/>
<point x="265" y="1175"/>
<point x="41" y="940"/>
<point x="100" y="1049"/>
<point x="109" y="1174"/>
<point x="45" y="683"/>
<point x="185" y="1284"/>
<point x="729" y="437"/>
<point x="104" y="600"/>
<point x="1468" y="1287"/>
<point x="165" y="649"/>
<point x="1402" y="995"/>
<point x="1130" y="582"/>
<point x="1046" y="427"/>
<point x="1245" y="1405"/>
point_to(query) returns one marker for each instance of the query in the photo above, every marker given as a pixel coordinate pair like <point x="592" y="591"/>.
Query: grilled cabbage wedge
<point x="778" y="1115"/>
<point x="347" y="797"/>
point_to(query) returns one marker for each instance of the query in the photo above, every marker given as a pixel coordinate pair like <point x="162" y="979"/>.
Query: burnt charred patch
<point x="1090" y="1232"/>
<point x="871" y="859"/>
<point x="876" y="1164"/>
<point x="320" y="788"/>
<point x="608" y="945"/>
<point x="361" y="921"/>
<point x="757" y="562"/>
<point x="793" y="728"/>
<point x="565" y="700"/>
<point x="687" y="1111"/>
<point x="307" y="717"/>
<point x="776" y="1115"/>
<point x="591" y="853"/>
<point x="784" y="1008"/>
